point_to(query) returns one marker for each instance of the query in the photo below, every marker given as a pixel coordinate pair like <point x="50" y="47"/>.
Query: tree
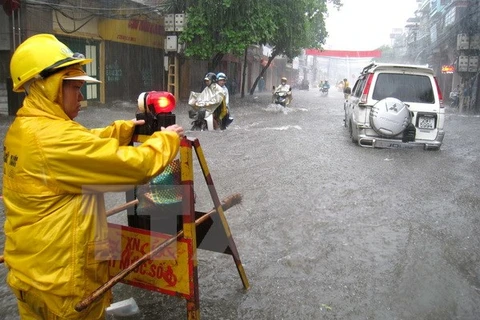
<point x="300" y="25"/>
<point x="215" y="27"/>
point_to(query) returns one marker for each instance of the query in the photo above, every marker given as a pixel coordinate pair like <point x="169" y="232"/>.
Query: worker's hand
<point x="138" y="122"/>
<point x="175" y="128"/>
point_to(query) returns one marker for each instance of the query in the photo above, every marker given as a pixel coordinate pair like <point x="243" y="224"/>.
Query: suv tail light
<point x="366" y="89"/>
<point x="440" y="95"/>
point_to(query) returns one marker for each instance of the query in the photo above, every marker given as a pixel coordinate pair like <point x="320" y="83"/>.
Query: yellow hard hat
<point x="38" y="57"/>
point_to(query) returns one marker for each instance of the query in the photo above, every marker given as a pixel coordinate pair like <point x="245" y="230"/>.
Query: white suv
<point x="396" y="106"/>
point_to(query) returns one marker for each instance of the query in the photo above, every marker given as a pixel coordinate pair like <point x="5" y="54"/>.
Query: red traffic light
<point x="160" y="101"/>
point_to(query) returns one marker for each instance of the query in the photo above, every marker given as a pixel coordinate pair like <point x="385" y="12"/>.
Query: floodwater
<point x="326" y="229"/>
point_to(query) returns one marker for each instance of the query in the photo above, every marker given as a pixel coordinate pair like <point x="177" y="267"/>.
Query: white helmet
<point x="221" y="76"/>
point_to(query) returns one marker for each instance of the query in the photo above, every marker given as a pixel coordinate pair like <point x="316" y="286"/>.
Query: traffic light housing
<point x="155" y="107"/>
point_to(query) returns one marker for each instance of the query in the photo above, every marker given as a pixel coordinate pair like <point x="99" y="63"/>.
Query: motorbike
<point x="202" y="120"/>
<point x="454" y="99"/>
<point x="281" y="98"/>
<point x="324" y="91"/>
<point x="208" y="109"/>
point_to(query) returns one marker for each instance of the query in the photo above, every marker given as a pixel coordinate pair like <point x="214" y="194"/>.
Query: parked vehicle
<point x="396" y="106"/>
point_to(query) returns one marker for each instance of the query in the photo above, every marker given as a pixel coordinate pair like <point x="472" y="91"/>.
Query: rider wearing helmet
<point x="221" y="76"/>
<point x="210" y="78"/>
<point x="211" y="98"/>
<point x="284" y="87"/>
<point x="56" y="233"/>
<point x="325" y="88"/>
<point x="222" y="80"/>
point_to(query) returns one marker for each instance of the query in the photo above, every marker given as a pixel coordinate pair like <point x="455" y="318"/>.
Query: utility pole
<point x="174" y="24"/>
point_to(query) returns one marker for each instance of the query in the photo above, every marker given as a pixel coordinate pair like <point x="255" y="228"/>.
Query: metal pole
<point x="19" y="28"/>
<point x="13" y="32"/>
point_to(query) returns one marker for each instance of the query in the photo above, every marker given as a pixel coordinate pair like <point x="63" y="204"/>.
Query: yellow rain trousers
<point x="55" y="174"/>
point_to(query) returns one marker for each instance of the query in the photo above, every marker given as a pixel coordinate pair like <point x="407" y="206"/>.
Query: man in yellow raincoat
<point x="55" y="174"/>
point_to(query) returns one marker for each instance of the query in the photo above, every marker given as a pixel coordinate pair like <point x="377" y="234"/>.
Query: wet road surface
<point x="326" y="229"/>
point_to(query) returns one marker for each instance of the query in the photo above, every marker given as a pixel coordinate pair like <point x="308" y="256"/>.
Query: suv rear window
<point x="405" y="87"/>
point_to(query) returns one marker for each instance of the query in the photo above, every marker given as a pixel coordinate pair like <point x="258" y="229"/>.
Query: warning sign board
<point x="169" y="272"/>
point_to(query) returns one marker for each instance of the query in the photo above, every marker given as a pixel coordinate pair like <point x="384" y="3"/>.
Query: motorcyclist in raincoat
<point x="222" y="82"/>
<point x="55" y="174"/>
<point x="325" y="87"/>
<point x="211" y="102"/>
<point x="283" y="87"/>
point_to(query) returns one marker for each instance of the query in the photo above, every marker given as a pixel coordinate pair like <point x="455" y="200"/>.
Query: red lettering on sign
<point x="169" y="276"/>
<point x="144" y="249"/>
<point x="146" y="26"/>
<point x="133" y="244"/>
<point x="133" y="24"/>
<point x="126" y="38"/>
<point x="126" y="258"/>
<point x="152" y="268"/>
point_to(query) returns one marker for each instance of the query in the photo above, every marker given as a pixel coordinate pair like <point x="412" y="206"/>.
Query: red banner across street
<point x="344" y="53"/>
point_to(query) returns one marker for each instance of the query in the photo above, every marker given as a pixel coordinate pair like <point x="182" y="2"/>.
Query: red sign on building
<point x="448" y="69"/>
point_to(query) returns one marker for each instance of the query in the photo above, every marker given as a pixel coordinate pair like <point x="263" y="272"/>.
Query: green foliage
<point x="227" y="26"/>
<point x="300" y="25"/>
<point x="217" y="27"/>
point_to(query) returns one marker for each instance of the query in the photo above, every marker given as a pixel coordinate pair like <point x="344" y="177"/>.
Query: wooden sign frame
<point x="174" y="270"/>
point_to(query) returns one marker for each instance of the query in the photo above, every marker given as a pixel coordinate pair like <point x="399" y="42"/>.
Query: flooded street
<point x="326" y="229"/>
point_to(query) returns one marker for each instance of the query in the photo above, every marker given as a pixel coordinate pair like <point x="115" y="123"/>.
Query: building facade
<point x="127" y="41"/>
<point x="445" y="34"/>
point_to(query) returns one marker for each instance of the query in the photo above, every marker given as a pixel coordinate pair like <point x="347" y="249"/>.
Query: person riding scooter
<point x="209" y="106"/>
<point x="455" y="97"/>
<point x="325" y="87"/>
<point x="283" y="88"/>
<point x="228" y="119"/>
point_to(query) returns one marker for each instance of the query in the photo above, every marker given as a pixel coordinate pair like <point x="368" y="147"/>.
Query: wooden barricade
<point x="169" y="263"/>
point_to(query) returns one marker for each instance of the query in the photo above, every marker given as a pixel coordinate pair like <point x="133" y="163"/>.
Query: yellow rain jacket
<point x="55" y="174"/>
